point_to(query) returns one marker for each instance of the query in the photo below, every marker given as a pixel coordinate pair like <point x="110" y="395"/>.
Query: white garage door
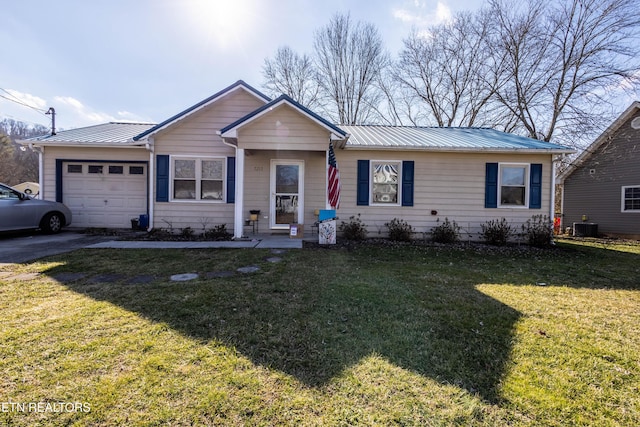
<point x="104" y="194"/>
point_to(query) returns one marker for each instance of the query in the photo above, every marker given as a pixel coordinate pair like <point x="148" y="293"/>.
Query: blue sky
<point x="145" y="60"/>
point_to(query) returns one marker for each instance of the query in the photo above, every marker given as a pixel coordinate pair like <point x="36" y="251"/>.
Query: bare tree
<point x="349" y="59"/>
<point x="449" y="70"/>
<point x="291" y="74"/>
<point x="562" y="60"/>
<point x="18" y="163"/>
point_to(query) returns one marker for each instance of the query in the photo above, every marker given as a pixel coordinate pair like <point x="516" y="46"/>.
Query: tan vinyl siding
<point x="453" y="184"/>
<point x="83" y="154"/>
<point x="196" y="136"/>
<point x="283" y="129"/>
<point x="594" y="189"/>
<point x="257" y="183"/>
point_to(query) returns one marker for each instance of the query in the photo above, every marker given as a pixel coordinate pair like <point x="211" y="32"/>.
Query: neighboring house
<point x="602" y="186"/>
<point x="238" y="151"/>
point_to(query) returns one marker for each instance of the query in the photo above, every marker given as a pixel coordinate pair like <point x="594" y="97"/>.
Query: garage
<point x="104" y="194"/>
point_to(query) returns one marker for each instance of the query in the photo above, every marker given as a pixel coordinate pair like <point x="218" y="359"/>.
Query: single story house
<point x="601" y="188"/>
<point x="239" y="151"/>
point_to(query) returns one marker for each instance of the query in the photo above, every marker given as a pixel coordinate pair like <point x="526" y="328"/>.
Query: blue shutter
<point x="363" y="183"/>
<point x="535" y="186"/>
<point x="407" y="183"/>
<point x="59" y="180"/>
<point x="491" y="186"/>
<point x="162" y="178"/>
<point x="231" y="179"/>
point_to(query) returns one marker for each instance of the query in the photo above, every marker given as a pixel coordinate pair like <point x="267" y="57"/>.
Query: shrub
<point x="447" y="232"/>
<point x="496" y="232"/>
<point x="219" y="232"/>
<point x="187" y="232"/>
<point x="399" y="230"/>
<point x="538" y="231"/>
<point x="355" y="229"/>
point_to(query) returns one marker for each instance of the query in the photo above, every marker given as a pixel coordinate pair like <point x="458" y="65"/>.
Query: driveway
<point x="23" y="247"/>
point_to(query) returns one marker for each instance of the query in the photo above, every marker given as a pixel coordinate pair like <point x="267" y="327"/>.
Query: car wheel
<point x="52" y="223"/>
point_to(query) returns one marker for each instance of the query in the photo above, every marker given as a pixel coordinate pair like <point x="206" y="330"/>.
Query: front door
<point x="287" y="193"/>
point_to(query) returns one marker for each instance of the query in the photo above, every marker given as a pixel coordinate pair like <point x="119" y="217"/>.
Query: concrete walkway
<point x="260" y="242"/>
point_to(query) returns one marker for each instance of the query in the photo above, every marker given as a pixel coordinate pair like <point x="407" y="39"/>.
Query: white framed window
<point x="631" y="198"/>
<point x="513" y="185"/>
<point x="198" y="179"/>
<point x="385" y="182"/>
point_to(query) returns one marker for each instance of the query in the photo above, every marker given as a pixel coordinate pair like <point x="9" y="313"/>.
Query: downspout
<point x="149" y="146"/>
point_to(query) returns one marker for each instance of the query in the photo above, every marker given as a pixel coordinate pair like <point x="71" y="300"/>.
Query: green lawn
<point x="375" y="335"/>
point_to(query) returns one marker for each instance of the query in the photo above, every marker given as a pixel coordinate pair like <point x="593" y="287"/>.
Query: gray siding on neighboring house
<point x="594" y="188"/>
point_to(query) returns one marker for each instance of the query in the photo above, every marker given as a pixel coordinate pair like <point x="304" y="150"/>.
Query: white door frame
<point x="272" y="187"/>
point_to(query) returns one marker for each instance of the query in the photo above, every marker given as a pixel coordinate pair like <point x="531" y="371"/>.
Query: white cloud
<point x="13" y="105"/>
<point x="421" y="15"/>
<point x="72" y="113"/>
<point x="70" y="101"/>
<point x="28" y="99"/>
<point x="443" y="13"/>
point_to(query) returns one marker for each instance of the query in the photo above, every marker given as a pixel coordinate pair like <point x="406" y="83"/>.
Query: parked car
<point x="19" y="211"/>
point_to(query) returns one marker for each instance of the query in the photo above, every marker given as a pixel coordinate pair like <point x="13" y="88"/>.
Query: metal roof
<point x="444" y="139"/>
<point x="106" y="133"/>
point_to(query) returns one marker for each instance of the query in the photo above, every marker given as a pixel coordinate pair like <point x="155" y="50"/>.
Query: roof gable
<point x="230" y="131"/>
<point x="634" y="108"/>
<point x="239" y="85"/>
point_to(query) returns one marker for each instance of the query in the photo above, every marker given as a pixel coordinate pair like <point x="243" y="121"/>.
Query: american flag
<point x="334" y="180"/>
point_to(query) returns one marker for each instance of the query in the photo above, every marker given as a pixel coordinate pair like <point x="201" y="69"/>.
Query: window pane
<point x="136" y="170"/>
<point x="116" y="170"/>
<point x="632" y="193"/>
<point x="211" y="190"/>
<point x="95" y="169"/>
<point x="632" y="199"/>
<point x="385" y="173"/>
<point x="385" y="193"/>
<point x="74" y="168"/>
<point x="287" y="179"/>
<point x="385" y="183"/>
<point x="184" y="189"/>
<point x="512" y="196"/>
<point x="212" y="169"/>
<point x="286" y="209"/>
<point x="185" y="169"/>
<point x="513" y="175"/>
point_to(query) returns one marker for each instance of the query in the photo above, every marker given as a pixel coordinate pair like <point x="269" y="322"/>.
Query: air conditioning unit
<point x="585" y="229"/>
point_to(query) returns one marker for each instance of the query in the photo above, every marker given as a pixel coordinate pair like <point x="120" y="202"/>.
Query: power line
<point x="18" y="101"/>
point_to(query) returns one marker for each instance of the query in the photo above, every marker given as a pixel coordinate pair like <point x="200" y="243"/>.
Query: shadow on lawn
<point x="314" y="325"/>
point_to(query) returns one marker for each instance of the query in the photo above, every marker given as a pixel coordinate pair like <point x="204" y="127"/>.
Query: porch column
<point x="238" y="221"/>
<point x="326" y="179"/>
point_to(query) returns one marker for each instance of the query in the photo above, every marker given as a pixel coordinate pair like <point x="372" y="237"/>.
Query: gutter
<point x="80" y="144"/>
